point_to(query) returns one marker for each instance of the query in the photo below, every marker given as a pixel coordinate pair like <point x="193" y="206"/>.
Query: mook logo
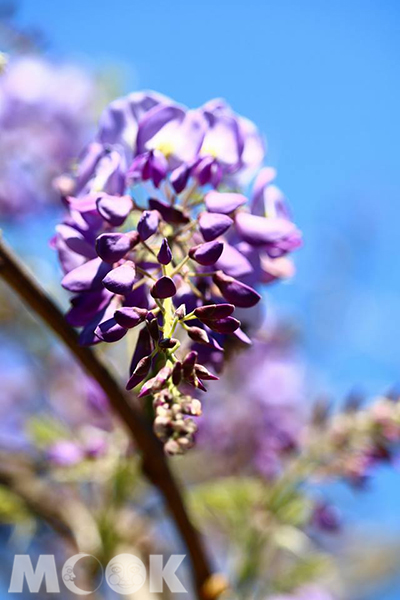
<point x="124" y="574"/>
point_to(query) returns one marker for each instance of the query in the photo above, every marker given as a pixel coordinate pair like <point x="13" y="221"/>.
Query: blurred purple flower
<point x="42" y="128"/>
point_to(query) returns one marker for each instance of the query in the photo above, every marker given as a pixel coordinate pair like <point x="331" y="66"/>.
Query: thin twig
<point x="154" y="462"/>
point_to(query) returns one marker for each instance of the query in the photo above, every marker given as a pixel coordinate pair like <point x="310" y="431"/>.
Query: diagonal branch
<point x="17" y="476"/>
<point x="155" y="465"/>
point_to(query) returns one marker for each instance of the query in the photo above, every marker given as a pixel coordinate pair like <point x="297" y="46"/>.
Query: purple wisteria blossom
<point x="158" y="226"/>
<point x="46" y="115"/>
<point x="253" y="432"/>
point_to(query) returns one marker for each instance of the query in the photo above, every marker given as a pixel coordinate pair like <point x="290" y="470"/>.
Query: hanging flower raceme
<point x="159" y="239"/>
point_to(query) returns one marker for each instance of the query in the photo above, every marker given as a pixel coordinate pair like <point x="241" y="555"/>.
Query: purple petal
<point x="114" y="209"/>
<point x="212" y="342"/>
<point x="121" y="279"/>
<point x="140" y="372"/>
<point x="212" y="225"/>
<point x="169" y="213"/>
<point x="225" y="203"/>
<point x="157" y="167"/>
<point x="82" y="204"/>
<point x="242" y="337"/>
<point x="276" y="268"/>
<point x="87" y="277"/>
<point x="163" y="288"/>
<point x="260" y="231"/>
<point x="233" y="262"/>
<point x="111" y="247"/>
<point x="206" y="254"/>
<point x="223" y="139"/>
<point x="198" y="335"/>
<point x="226" y="325"/>
<point x="102" y="169"/>
<point x="143" y="348"/>
<point x="148" y="166"/>
<point x="119" y="121"/>
<point x="75" y="241"/>
<point x="263" y="180"/>
<point x="68" y="260"/>
<point x="86" y="306"/>
<point x="189" y="137"/>
<point x="154" y="120"/>
<point x="110" y="331"/>
<point x="179" y="178"/>
<point x="165" y="255"/>
<point x="203" y="373"/>
<point x="235" y="291"/>
<point x="130" y="316"/>
<point x="156" y="383"/>
<point x="214" y="311"/>
<point x="188" y="363"/>
<point x="253" y="152"/>
<point x="208" y="171"/>
<point x="148" y="224"/>
<point x="88" y="163"/>
<point x="87" y="336"/>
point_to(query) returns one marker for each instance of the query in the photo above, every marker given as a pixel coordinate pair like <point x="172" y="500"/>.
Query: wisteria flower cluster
<point x="46" y="115"/>
<point x="160" y="238"/>
<point x="355" y="441"/>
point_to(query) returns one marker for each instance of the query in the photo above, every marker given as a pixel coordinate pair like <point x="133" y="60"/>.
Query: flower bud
<point x="120" y="280"/>
<point x="212" y="225"/>
<point x="203" y="373"/>
<point x="172" y="448"/>
<point x="163" y="288"/>
<point x="149" y="166"/>
<point x="208" y="170"/>
<point x="114" y="209"/>
<point x="148" y="224"/>
<point x="179" y="178"/>
<point x="177" y="373"/>
<point x="192" y="407"/>
<point x="110" y="331"/>
<point x="206" y="254"/>
<point x="180" y="312"/>
<point x="111" y="247"/>
<point x="154" y="331"/>
<point x="188" y="363"/>
<point x="168" y="343"/>
<point x="235" y="291"/>
<point x="170" y="214"/>
<point x="226" y="325"/>
<point x="165" y="255"/>
<point x="198" y="335"/>
<point x="139" y="373"/>
<point x="156" y="383"/>
<point x="130" y="316"/>
<point x="214" y="311"/>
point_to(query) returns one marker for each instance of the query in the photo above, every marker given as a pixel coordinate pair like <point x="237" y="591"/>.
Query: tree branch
<point x="17" y="476"/>
<point x="155" y="465"/>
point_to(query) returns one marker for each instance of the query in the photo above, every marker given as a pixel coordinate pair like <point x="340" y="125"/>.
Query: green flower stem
<point x="177" y="269"/>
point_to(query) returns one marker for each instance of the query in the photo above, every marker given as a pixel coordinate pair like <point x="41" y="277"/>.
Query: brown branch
<point x="155" y="465"/>
<point x="18" y="477"/>
<point x="52" y="504"/>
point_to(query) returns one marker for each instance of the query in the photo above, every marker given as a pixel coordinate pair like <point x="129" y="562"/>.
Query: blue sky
<point x="321" y="80"/>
